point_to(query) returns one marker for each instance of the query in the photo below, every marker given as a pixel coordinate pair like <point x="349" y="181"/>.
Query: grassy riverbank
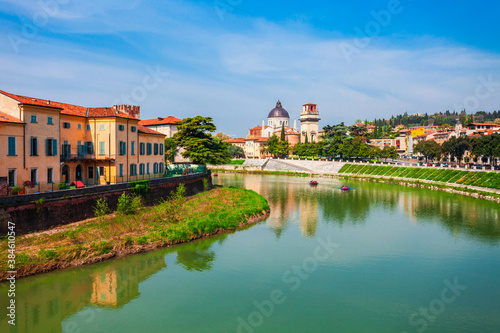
<point x="451" y="176"/>
<point x="174" y="221"/>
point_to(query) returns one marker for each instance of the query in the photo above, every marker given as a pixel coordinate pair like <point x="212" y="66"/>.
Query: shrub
<point x="102" y="247"/>
<point x="16" y="190"/>
<point x="128" y="204"/>
<point x="101" y="208"/>
<point x="140" y="187"/>
<point x="62" y="186"/>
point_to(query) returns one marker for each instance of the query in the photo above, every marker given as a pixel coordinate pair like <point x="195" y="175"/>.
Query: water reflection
<point x="45" y="301"/>
<point x="292" y="200"/>
<point x="198" y="256"/>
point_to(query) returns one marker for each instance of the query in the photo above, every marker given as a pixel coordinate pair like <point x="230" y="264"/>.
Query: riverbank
<point x="175" y="221"/>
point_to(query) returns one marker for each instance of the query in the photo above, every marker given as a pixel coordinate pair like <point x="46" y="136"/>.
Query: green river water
<point x="380" y="258"/>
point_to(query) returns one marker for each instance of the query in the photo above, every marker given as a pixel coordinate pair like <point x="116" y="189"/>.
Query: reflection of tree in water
<point x="352" y="207"/>
<point x="197" y="256"/>
<point x="460" y="215"/>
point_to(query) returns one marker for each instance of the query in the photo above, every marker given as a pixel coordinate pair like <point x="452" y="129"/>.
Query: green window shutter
<point x="54" y="147"/>
<point x="12" y="146"/>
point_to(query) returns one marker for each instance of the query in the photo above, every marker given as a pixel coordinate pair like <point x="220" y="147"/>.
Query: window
<point x="79" y="126"/>
<point x="132" y="148"/>
<point x="89" y="146"/>
<point x="12" y="177"/>
<point x="33" y="118"/>
<point x="51" y="147"/>
<point x="101" y="127"/>
<point x="66" y="149"/>
<point x="91" y="172"/>
<point x="161" y="148"/>
<point x="147" y="168"/>
<point x="66" y="125"/>
<point x="50" y="175"/>
<point x="123" y="148"/>
<point x="133" y="129"/>
<point x="121" y="170"/>
<point x="101" y="171"/>
<point x="156" y="148"/>
<point x="141" y="168"/>
<point x="155" y="167"/>
<point x="121" y="127"/>
<point x="142" y="148"/>
<point x="161" y="167"/>
<point x="50" y="121"/>
<point x="102" y="148"/>
<point x="12" y="146"/>
<point x="133" y="169"/>
<point x="88" y="127"/>
<point x="34" y="174"/>
<point x="34" y="147"/>
<point x="149" y="146"/>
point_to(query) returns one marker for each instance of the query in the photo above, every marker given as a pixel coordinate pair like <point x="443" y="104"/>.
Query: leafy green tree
<point x="486" y="146"/>
<point x="201" y="147"/>
<point x="235" y="152"/>
<point x="356" y="130"/>
<point x="282" y="137"/>
<point x="389" y="152"/>
<point x="170" y="150"/>
<point x="430" y="149"/>
<point x="282" y="148"/>
<point x="456" y="147"/>
<point x="272" y="145"/>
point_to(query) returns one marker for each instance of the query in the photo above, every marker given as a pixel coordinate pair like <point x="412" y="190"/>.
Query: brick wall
<point x="77" y="205"/>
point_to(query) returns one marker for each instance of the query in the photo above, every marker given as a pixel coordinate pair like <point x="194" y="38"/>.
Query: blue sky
<point x="232" y="59"/>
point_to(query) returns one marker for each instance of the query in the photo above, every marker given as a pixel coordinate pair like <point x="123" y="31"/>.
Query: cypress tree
<point x="282" y="138"/>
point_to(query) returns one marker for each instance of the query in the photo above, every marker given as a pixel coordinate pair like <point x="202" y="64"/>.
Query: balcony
<point x="77" y="157"/>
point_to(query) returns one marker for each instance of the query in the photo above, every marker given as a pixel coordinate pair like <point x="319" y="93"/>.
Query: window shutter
<point x="54" y="147"/>
<point x="12" y="146"/>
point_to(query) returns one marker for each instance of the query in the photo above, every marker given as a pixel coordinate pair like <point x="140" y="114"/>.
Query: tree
<point x="222" y="136"/>
<point x="356" y="130"/>
<point x="282" y="137"/>
<point x="389" y="152"/>
<point x="170" y="150"/>
<point x="486" y="146"/>
<point x="272" y="145"/>
<point x="282" y="148"/>
<point x="430" y="149"/>
<point x="201" y="147"/>
<point x="456" y="147"/>
<point x="236" y="152"/>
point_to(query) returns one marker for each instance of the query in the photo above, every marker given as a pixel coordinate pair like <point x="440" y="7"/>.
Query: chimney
<point x="131" y="110"/>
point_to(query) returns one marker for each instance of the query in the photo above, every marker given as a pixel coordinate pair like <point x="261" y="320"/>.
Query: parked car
<point x="420" y="163"/>
<point x="445" y="165"/>
<point x="429" y="164"/>
<point x="437" y="164"/>
<point x="496" y="167"/>
<point x="478" y="166"/>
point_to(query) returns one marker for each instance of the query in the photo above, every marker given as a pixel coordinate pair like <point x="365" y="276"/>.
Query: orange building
<point x="63" y="142"/>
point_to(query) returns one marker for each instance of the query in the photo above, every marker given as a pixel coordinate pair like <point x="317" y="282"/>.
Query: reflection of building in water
<point x="308" y="216"/>
<point x="44" y="302"/>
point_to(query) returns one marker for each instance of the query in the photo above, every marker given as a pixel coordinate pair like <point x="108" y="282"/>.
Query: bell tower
<point x="309" y="123"/>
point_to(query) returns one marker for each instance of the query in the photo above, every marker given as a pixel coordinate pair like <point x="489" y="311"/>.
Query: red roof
<point x="258" y="128"/>
<point x="482" y="124"/>
<point x="160" y="121"/>
<point x="235" y="140"/>
<point x="5" y="118"/>
<point x="69" y="109"/>
<point x="310" y="104"/>
<point x="145" y="130"/>
<point x="78" y="184"/>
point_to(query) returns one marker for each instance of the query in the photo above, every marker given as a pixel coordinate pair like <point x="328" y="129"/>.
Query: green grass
<point x="175" y="220"/>
<point x="472" y="178"/>
<point x="236" y="162"/>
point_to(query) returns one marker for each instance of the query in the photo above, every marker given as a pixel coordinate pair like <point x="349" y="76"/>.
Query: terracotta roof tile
<point x="160" y="121"/>
<point x="106" y="113"/>
<point x="145" y="130"/>
<point x="235" y="140"/>
<point x="5" y="118"/>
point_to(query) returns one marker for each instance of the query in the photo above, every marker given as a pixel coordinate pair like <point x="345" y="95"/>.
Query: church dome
<point x="278" y="112"/>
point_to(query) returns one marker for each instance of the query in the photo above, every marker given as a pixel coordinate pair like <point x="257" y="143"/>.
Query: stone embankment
<point x="305" y="166"/>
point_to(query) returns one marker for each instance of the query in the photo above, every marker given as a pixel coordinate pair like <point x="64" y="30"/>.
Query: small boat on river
<point x="313" y="183"/>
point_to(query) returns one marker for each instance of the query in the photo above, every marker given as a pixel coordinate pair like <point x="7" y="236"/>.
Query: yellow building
<point x="51" y="142"/>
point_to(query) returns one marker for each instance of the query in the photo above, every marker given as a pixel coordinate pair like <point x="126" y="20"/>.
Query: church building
<point x="276" y="120"/>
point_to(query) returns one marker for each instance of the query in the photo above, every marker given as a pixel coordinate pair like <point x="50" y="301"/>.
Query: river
<point x="380" y="258"/>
